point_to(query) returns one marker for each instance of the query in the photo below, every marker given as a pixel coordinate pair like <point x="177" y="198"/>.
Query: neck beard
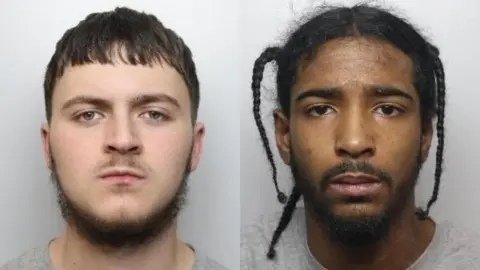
<point x="358" y="230"/>
<point x="117" y="235"/>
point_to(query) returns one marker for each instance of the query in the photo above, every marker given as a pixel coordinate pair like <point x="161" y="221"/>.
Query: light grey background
<point x="29" y="31"/>
<point x="453" y="26"/>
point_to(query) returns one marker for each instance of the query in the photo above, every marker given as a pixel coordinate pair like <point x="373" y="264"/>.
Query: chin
<point x="122" y="216"/>
<point x="359" y="210"/>
<point x="121" y="213"/>
<point x="359" y="224"/>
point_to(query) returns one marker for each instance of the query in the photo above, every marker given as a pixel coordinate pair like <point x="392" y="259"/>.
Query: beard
<point x="120" y="234"/>
<point x="356" y="229"/>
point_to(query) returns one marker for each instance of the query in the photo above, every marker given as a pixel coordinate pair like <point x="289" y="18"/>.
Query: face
<point x="120" y="145"/>
<point x="354" y="139"/>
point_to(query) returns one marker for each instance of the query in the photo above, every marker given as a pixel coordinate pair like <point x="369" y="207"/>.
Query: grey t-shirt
<point x="39" y="259"/>
<point x="451" y="247"/>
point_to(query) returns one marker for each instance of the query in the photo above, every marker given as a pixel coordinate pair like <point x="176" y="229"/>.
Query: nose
<point x="354" y="137"/>
<point x="122" y="138"/>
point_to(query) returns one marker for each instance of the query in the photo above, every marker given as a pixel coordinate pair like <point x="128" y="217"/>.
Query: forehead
<point x="120" y="82"/>
<point x="357" y="62"/>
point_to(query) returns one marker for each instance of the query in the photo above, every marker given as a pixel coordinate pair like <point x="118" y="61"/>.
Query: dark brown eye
<point x="319" y="110"/>
<point x="388" y="110"/>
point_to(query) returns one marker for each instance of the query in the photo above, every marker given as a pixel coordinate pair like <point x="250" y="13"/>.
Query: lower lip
<point x="356" y="190"/>
<point x="122" y="179"/>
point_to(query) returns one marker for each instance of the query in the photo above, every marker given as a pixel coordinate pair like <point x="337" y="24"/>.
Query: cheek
<point x="76" y="144"/>
<point x="313" y="148"/>
<point x="75" y="156"/>
<point x="399" y="151"/>
<point x="167" y="145"/>
<point x="167" y="153"/>
<point x="314" y="136"/>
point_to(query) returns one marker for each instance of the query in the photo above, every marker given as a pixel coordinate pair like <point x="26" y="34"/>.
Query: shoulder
<point x="256" y="237"/>
<point x="461" y="238"/>
<point x="254" y="240"/>
<point x="263" y="226"/>
<point x="460" y="246"/>
<point x="211" y="264"/>
<point x="203" y="262"/>
<point x="35" y="258"/>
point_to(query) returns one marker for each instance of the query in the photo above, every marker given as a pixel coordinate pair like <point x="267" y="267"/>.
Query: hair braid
<point x="440" y="77"/>
<point x="268" y="55"/>
<point x="440" y="94"/>
<point x="284" y="220"/>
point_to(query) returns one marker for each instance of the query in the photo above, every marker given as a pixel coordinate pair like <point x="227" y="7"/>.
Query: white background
<point x="453" y="26"/>
<point x="225" y="36"/>
<point x="29" y="31"/>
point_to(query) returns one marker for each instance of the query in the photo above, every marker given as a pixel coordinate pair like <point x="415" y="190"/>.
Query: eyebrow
<point x="136" y="101"/>
<point x="335" y="92"/>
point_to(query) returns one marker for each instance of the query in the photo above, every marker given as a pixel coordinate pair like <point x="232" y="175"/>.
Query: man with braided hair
<point x="358" y="90"/>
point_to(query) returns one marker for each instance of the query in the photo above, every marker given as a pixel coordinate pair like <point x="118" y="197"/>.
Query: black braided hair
<point x="284" y="220"/>
<point x="362" y="20"/>
<point x="268" y="55"/>
<point x="440" y="86"/>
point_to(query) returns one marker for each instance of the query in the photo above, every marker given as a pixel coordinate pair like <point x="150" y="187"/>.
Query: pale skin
<point x="100" y="112"/>
<point x="357" y="124"/>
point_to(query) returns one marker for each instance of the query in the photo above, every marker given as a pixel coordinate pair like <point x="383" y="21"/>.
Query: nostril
<point x="123" y="149"/>
<point x="355" y="153"/>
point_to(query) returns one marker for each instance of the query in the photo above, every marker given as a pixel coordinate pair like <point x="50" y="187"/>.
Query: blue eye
<point x="89" y="116"/>
<point x="154" y="115"/>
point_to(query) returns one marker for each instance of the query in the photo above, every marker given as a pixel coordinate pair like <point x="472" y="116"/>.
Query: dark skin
<point x="356" y="102"/>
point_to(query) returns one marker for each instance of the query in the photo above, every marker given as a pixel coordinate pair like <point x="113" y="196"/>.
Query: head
<point x="358" y="90"/>
<point x="121" y="137"/>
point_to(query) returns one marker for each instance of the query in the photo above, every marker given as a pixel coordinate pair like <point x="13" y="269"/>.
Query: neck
<point x="407" y="239"/>
<point x="70" y="252"/>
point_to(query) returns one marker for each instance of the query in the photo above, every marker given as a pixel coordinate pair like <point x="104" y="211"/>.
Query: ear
<point x="427" y="136"/>
<point x="44" y="133"/>
<point x="282" y="135"/>
<point x="198" y="135"/>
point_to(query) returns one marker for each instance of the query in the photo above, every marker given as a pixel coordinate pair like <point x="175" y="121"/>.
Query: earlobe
<point x="282" y="135"/>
